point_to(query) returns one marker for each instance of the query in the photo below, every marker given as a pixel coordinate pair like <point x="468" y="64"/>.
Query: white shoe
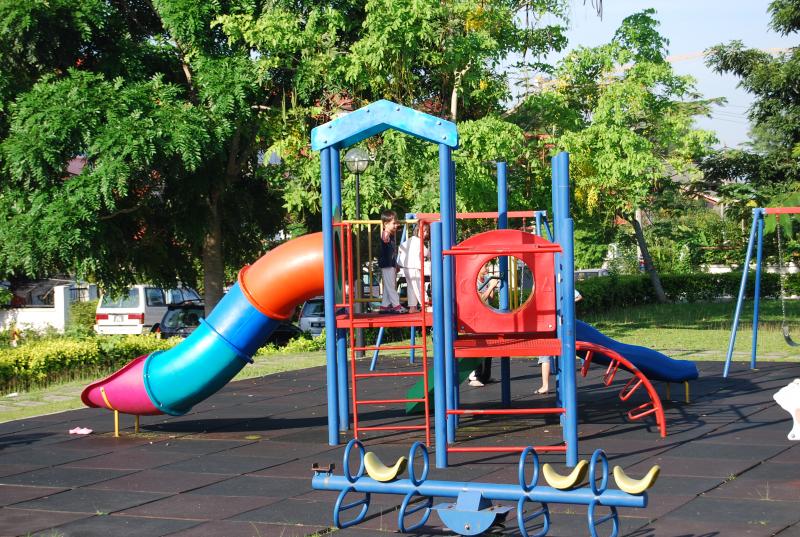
<point x="476" y="383"/>
<point x="472" y="376"/>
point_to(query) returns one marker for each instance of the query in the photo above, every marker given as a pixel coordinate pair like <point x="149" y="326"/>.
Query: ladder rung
<point x="506" y="449"/>
<point x="389" y="348"/>
<point x="394" y="428"/>
<point x="388" y="401"/>
<point x="374" y="375"/>
<point x="506" y="412"/>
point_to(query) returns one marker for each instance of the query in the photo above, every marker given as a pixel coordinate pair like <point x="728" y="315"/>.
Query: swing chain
<point x="781" y="273"/>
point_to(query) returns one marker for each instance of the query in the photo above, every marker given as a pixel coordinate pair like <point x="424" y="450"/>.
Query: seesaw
<point x="473" y="511"/>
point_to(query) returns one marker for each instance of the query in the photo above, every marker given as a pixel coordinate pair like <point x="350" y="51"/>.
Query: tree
<point x="771" y="166"/>
<point x="169" y="108"/>
<point x="639" y="128"/>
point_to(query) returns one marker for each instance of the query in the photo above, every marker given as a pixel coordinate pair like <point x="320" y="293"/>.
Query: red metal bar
<point x="388" y="348"/>
<point x="632" y="415"/>
<point x="586" y="362"/>
<point x="389" y="401"/>
<point x="506" y="412"/>
<point x="505" y="250"/>
<point x="631" y="386"/>
<point x="432" y="217"/>
<point x="373" y="375"/>
<point x="782" y="210"/>
<point x="611" y="372"/>
<point x="506" y="449"/>
<point x="394" y="428"/>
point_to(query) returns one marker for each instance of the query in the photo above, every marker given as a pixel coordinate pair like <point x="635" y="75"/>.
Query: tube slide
<point x="173" y="381"/>
<point x="653" y="364"/>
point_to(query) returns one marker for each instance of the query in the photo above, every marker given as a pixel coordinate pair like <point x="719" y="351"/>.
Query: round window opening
<point x="502" y="277"/>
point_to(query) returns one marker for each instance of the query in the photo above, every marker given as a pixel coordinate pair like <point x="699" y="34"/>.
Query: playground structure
<point x="473" y="512"/>
<point x="757" y="239"/>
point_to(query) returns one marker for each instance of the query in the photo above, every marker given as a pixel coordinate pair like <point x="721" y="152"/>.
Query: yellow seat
<point x="379" y="471"/>
<point x="635" y="486"/>
<point x="565" y="482"/>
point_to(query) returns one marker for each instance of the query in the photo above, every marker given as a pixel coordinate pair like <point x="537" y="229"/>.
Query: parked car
<point x="180" y="320"/>
<point x="312" y="316"/>
<point x="138" y="311"/>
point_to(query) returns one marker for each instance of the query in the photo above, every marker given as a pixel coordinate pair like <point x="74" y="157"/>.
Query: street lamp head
<point x="356" y="160"/>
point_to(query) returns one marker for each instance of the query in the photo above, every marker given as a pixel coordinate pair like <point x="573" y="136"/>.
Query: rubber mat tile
<point x="257" y="486"/>
<point x="130" y="459"/>
<point x="700" y="467"/>
<point x="790" y="456"/>
<point x="223" y="463"/>
<point x="231" y="528"/>
<point x="751" y="433"/>
<point x="287" y="449"/>
<point x="195" y="447"/>
<point x="765" y="517"/>
<point x="115" y="525"/>
<point x="759" y="490"/>
<point x="791" y="531"/>
<point x="200" y="507"/>
<point x="289" y="512"/>
<point x="12" y="469"/>
<point x="677" y="485"/>
<point x="298" y="468"/>
<point x="15" y="522"/>
<point x="92" y="501"/>
<point x="11" y="494"/>
<point x="49" y="455"/>
<point x="161" y="481"/>
<point x="63" y="477"/>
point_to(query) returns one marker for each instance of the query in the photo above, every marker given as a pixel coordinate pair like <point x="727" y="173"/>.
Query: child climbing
<point x="387" y="261"/>
<point x="410" y="260"/>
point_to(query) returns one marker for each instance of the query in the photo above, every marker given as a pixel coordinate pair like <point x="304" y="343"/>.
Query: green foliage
<point x="297" y="345"/>
<point x="40" y="362"/>
<point x="619" y="292"/>
<point x="81" y="318"/>
<point x="5" y="296"/>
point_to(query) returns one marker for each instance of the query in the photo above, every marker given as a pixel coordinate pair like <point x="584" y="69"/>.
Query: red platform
<point x="377" y="320"/>
<point x="486" y="345"/>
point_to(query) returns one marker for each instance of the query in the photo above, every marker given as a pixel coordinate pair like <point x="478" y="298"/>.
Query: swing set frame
<point x="757" y="239"/>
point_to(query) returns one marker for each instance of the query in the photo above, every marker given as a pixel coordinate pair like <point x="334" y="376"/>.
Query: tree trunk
<point x="213" y="265"/>
<point x="648" y="260"/>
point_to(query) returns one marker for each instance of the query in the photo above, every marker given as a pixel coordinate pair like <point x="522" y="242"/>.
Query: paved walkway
<point x="239" y="464"/>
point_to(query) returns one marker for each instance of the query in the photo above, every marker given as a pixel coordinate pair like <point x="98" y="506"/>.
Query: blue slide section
<point x="653" y="364"/>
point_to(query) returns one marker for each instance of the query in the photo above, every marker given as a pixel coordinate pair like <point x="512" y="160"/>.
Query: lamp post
<point x="357" y="160"/>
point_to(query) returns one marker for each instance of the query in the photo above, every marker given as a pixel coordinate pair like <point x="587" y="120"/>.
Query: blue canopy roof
<point x="378" y="117"/>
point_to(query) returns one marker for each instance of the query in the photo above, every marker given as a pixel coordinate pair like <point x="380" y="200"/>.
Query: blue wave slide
<point x="653" y="364"/>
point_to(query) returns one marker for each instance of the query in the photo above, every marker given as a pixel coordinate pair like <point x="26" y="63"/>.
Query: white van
<point x="139" y="311"/>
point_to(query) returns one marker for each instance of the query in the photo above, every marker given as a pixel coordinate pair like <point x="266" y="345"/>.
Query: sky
<point x="692" y="26"/>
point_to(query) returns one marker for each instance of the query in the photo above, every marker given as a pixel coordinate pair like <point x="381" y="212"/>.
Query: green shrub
<point x="41" y="362"/>
<point x="617" y="291"/>
<point x="81" y="318"/>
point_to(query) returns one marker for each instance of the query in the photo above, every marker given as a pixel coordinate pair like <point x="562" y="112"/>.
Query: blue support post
<point x="341" y="335"/>
<point x="757" y="214"/>
<point x="567" y="369"/>
<point x="502" y="223"/>
<point x="378" y="341"/>
<point x="757" y="290"/>
<point x="439" y="376"/>
<point x="538" y="229"/>
<point x="447" y="214"/>
<point x="330" y="298"/>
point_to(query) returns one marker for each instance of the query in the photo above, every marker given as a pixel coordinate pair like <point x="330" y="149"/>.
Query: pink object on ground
<point x="124" y="391"/>
<point x="80" y="430"/>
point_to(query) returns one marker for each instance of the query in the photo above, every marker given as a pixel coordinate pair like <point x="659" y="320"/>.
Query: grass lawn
<point x="683" y="331"/>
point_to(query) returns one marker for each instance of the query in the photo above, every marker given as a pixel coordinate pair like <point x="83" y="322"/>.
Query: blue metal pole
<point x="330" y="298"/>
<point x="439" y="367"/>
<point x="447" y="214"/>
<point x="502" y="223"/>
<point x="341" y="335"/>
<point x="567" y="369"/>
<point x="757" y="214"/>
<point x="538" y="229"/>
<point x="757" y="289"/>
<point x="378" y="341"/>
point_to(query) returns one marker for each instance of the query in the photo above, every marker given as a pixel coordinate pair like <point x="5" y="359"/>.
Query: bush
<point x="81" y="318"/>
<point x="45" y="361"/>
<point x="616" y="291"/>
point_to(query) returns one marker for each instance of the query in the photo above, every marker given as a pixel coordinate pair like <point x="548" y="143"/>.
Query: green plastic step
<point x="465" y="367"/>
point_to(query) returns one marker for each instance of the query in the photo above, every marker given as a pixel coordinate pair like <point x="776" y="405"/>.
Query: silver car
<point x="312" y="316"/>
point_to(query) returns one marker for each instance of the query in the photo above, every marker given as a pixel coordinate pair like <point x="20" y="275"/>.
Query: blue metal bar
<point x="567" y="369"/>
<point x="548" y="233"/>
<point x="502" y="223"/>
<point x="343" y="379"/>
<point x="538" y="228"/>
<point x="330" y="299"/>
<point x="490" y="491"/>
<point x="378" y="341"/>
<point x="757" y="290"/>
<point x="447" y="215"/>
<point x="439" y="376"/>
<point x="757" y="214"/>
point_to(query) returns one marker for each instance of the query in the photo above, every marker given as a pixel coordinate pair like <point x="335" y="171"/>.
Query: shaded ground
<point x="239" y="464"/>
